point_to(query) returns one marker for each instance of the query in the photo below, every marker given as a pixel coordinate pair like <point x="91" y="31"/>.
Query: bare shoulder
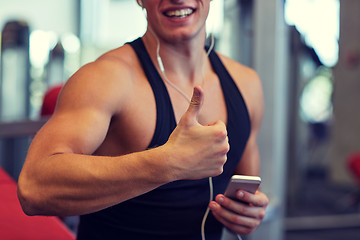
<point x="106" y="81"/>
<point x="89" y="100"/>
<point x="249" y="85"/>
<point x="241" y="73"/>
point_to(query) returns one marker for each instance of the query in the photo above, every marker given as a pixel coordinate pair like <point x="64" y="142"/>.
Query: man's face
<point x="176" y="19"/>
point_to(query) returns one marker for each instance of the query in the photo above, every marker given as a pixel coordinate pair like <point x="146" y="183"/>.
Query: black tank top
<point x="175" y="210"/>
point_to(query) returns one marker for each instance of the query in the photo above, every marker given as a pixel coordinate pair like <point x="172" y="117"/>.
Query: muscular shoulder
<point x="241" y="73"/>
<point x="105" y="82"/>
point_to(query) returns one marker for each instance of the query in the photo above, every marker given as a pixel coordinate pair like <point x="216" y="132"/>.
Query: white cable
<point x="207" y="209"/>
<point x="212" y="43"/>
<point x="162" y="68"/>
<point x="210" y="178"/>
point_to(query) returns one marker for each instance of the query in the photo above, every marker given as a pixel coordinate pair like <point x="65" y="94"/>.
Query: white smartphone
<point x="242" y="182"/>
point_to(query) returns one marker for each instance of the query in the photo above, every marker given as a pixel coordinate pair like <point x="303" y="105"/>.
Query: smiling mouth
<point x="179" y="13"/>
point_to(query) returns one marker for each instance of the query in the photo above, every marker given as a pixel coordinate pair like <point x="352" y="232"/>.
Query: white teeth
<point x="180" y="13"/>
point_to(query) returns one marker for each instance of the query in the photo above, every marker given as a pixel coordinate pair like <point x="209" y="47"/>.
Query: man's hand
<point x="197" y="151"/>
<point x="243" y="216"/>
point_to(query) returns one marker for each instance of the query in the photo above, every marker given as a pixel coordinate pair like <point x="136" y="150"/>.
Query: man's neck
<point x="184" y="61"/>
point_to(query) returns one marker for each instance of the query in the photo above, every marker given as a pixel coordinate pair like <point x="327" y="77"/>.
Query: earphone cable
<point x="207" y="209"/>
<point x="162" y="68"/>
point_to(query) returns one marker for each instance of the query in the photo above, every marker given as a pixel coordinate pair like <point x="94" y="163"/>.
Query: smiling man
<point x="142" y="136"/>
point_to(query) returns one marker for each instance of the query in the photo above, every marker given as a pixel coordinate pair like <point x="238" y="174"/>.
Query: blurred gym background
<point x="307" y="53"/>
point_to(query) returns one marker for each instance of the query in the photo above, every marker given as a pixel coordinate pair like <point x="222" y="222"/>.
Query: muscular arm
<point x="62" y="177"/>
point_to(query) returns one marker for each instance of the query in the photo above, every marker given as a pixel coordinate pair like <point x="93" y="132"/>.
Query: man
<point x="127" y="151"/>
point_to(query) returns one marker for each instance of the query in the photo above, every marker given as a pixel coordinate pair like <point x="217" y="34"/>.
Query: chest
<point x="139" y="122"/>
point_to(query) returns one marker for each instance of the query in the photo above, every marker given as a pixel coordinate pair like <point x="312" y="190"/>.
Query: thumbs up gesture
<point x="197" y="151"/>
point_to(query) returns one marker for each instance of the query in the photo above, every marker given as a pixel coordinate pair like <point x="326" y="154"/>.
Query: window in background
<point x="318" y="22"/>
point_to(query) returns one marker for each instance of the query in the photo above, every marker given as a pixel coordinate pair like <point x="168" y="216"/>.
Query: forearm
<point x="55" y="181"/>
<point x="72" y="184"/>
<point x="250" y="162"/>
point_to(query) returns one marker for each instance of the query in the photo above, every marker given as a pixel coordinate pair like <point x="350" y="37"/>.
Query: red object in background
<point x="15" y="225"/>
<point x="50" y="99"/>
<point x="352" y="59"/>
<point x="353" y="161"/>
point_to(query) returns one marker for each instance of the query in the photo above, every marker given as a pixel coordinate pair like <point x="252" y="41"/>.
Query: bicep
<point x="81" y="118"/>
<point x="80" y="131"/>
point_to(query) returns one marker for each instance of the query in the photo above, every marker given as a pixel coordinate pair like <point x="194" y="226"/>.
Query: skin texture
<point x="92" y="153"/>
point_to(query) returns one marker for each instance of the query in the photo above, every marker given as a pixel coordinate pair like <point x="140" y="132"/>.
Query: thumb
<point x="190" y="117"/>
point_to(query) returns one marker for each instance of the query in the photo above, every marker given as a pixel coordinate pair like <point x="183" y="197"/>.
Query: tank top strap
<point x="238" y="119"/>
<point x="165" y="123"/>
<point x="235" y="103"/>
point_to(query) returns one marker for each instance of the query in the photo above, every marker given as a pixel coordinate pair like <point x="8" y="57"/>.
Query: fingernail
<point x="240" y="195"/>
<point x="213" y="206"/>
<point x="221" y="199"/>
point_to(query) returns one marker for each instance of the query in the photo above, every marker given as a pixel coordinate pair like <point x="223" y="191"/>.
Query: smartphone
<point x="242" y="182"/>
